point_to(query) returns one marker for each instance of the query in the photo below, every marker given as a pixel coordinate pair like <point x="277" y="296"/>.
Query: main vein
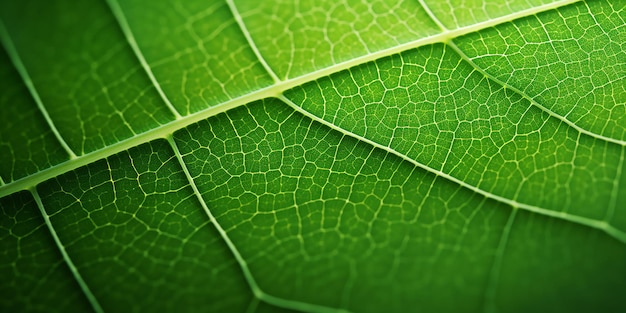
<point x="272" y="91"/>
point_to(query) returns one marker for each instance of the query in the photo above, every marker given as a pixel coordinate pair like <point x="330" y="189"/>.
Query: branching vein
<point x="79" y="279"/>
<point x="600" y="225"/>
<point x="561" y="118"/>
<point x="250" y="41"/>
<point x="256" y="290"/>
<point x="165" y="130"/>
<point x="121" y="19"/>
<point x="21" y="69"/>
<point x="432" y="15"/>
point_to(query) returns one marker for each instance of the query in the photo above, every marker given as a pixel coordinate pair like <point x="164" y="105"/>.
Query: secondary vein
<point x="79" y="279"/>
<point x="21" y="69"/>
<point x="256" y="290"/>
<point x="250" y="41"/>
<point x="130" y="38"/>
<point x="600" y="225"/>
<point x="561" y="118"/>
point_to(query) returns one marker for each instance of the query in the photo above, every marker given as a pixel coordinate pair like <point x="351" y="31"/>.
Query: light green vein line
<point x="252" y="306"/>
<point x="616" y="190"/>
<point x="531" y="100"/>
<point x="489" y="303"/>
<point x="242" y="263"/>
<point x="271" y="91"/>
<point x="256" y="290"/>
<point x="432" y="15"/>
<point x="83" y="286"/>
<point x="21" y="69"/>
<point x="157" y="133"/>
<point x="121" y="19"/>
<point x="600" y="225"/>
<point x="246" y="33"/>
<point x="444" y="36"/>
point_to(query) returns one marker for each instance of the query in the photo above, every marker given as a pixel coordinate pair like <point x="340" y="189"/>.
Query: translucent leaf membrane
<point x="459" y="13"/>
<point x="138" y="236"/>
<point x="404" y="183"/>
<point x="86" y="75"/>
<point x="323" y="218"/>
<point x="573" y="63"/>
<point x="27" y="144"/>
<point x="561" y="267"/>
<point x="205" y="60"/>
<point x="432" y="107"/>
<point x="35" y="278"/>
<point x="298" y="37"/>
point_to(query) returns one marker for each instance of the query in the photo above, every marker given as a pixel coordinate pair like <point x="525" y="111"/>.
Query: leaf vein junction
<point x="272" y="91"/>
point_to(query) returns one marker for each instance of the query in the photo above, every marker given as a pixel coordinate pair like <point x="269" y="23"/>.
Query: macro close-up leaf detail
<point x="314" y="156"/>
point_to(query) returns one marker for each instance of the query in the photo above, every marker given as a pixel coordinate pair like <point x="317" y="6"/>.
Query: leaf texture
<point x="317" y="156"/>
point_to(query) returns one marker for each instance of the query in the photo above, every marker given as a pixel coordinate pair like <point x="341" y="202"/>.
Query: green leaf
<point x="317" y="156"/>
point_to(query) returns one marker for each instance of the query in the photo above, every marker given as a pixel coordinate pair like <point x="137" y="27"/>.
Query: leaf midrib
<point x="275" y="90"/>
<point x="166" y="130"/>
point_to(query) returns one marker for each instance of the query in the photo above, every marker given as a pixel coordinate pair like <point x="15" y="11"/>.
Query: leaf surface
<point x="236" y="156"/>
